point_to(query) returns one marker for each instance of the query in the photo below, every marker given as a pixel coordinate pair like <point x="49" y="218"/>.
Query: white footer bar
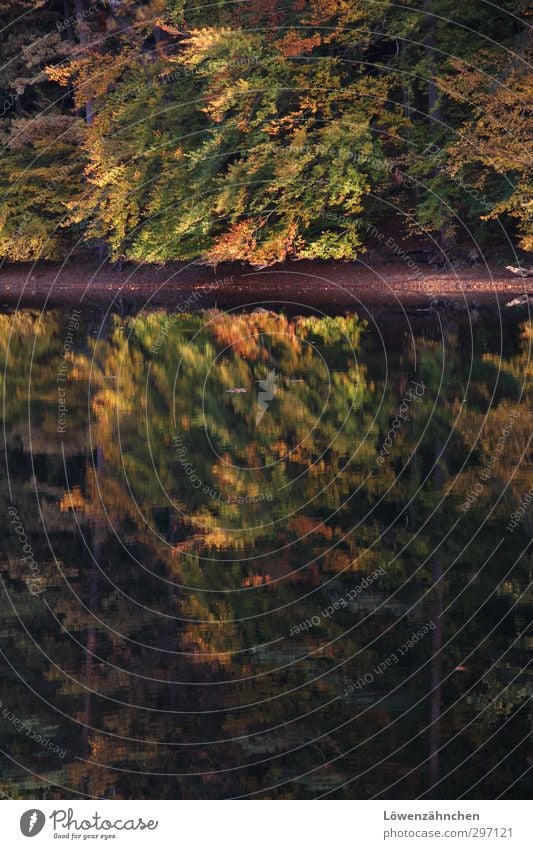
<point x="266" y="824"/>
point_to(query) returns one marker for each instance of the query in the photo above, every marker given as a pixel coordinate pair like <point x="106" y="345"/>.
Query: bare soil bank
<point x="327" y="286"/>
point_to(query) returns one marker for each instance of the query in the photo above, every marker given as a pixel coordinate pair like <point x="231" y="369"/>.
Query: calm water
<point x="261" y="556"/>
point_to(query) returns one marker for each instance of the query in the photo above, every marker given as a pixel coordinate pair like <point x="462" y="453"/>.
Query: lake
<point x="265" y="555"/>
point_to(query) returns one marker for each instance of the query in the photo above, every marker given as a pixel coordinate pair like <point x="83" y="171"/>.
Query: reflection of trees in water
<point x="330" y="523"/>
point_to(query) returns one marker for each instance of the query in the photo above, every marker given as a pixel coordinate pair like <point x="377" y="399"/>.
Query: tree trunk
<point x="430" y="42"/>
<point x="70" y="30"/>
<point x="79" y="6"/>
<point x="434" y="109"/>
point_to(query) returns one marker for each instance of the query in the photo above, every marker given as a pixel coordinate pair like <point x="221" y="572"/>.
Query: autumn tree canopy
<point x="261" y="130"/>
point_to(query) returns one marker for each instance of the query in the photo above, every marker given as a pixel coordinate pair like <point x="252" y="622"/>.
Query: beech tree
<point x="256" y="131"/>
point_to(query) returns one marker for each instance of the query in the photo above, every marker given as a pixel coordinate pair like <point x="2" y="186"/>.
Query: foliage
<point x="161" y="129"/>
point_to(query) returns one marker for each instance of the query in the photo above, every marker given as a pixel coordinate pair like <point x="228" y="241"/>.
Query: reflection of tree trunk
<point x="90" y="645"/>
<point x="436" y="642"/>
<point x="412" y="490"/>
<point x="173" y="528"/>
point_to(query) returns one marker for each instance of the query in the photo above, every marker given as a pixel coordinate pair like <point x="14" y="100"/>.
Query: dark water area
<point x="265" y="556"/>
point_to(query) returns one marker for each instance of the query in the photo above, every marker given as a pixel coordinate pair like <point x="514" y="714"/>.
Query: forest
<point x="264" y="130"/>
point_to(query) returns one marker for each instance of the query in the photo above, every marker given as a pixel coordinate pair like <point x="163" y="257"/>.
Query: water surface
<point x="264" y="556"/>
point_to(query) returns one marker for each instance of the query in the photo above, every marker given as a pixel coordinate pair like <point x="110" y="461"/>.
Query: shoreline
<point x="315" y="285"/>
